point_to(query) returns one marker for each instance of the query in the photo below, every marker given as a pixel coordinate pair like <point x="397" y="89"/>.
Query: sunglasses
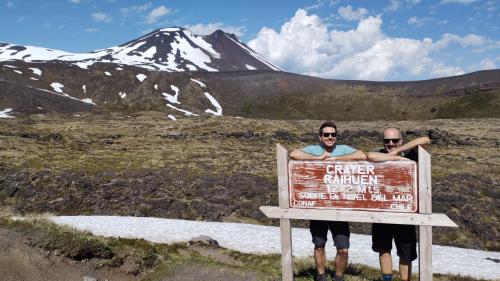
<point x="387" y="141"/>
<point x="326" y="135"/>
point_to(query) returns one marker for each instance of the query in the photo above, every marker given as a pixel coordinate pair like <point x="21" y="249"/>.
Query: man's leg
<point x="385" y="259"/>
<point x="406" y="242"/>
<point x="320" y="259"/>
<point x="405" y="270"/>
<point x="319" y="231"/>
<point x="341" y="261"/>
<point x="341" y="233"/>
<point x="382" y="244"/>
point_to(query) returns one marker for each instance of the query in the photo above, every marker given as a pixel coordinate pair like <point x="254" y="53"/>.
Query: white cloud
<point x="393" y="6"/>
<point x="157" y="13"/>
<point x="319" y="4"/>
<point x="419" y="22"/>
<point x="487" y="64"/>
<point x="74" y="1"/>
<point x="91" y="30"/>
<point x="348" y="13"/>
<point x="458" y="1"/>
<point x="9" y="4"/>
<point x="204" y="29"/>
<point x="470" y="40"/>
<point x="100" y="16"/>
<point x="125" y="11"/>
<point x="305" y="45"/>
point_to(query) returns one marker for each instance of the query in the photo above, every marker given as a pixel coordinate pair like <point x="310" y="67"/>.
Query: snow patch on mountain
<point x="33" y="78"/>
<point x="249" y="67"/>
<point x="36" y="71"/>
<point x="84" y="88"/>
<point x="172" y="117"/>
<point x="199" y="83"/>
<point x="122" y="95"/>
<point x="172" y="98"/>
<point x="186" y="112"/>
<point x="57" y="87"/>
<point x="5" y="113"/>
<point x="141" y="77"/>
<point x="18" y="71"/>
<point x="89" y="101"/>
<point x="107" y="73"/>
<point x="215" y="104"/>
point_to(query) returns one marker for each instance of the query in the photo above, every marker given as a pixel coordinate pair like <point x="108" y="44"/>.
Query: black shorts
<point x="340" y="233"/>
<point x="405" y="238"/>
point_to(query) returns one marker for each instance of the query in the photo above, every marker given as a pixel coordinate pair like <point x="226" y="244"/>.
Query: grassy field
<point x="223" y="169"/>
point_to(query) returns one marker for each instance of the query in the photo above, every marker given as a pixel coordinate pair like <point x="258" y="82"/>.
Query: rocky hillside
<point x="47" y="87"/>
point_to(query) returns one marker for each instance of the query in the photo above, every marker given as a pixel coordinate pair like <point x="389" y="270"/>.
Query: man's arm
<point x="381" y="157"/>
<point x="410" y="145"/>
<point x="298" y="154"/>
<point x="356" y="155"/>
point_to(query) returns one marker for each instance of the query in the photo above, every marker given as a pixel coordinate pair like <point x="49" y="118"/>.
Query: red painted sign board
<point x="389" y="186"/>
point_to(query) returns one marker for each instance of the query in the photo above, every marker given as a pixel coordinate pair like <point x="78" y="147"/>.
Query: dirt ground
<point x="20" y="261"/>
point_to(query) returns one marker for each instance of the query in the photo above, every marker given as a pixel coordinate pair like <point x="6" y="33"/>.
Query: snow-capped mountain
<point x="168" y="49"/>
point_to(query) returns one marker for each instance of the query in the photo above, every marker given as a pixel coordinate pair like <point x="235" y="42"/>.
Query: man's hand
<point x="325" y="156"/>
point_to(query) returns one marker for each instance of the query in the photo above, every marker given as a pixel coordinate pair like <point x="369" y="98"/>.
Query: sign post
<point x="359" y="191"/>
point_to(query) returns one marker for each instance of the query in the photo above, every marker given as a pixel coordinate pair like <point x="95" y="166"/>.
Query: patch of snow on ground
<point x="36" y="71"/>
<point x="259" y="239"/>
<point x="18" y="71"/>
<point x="107" y="73"/>
<point x="33" y="78"/>
<point x="122" y="94"/>
<point x="88" y="101"/>
<point x="57" y="87"/>
<point x="119" y="68"/>
<point x="5" y="113"/>
<point x="187" y="113"/>
<point x="199" y="83"/>
<point x="84" y="87"/>
<point x="156" y="86"/>
<point x="141" y="77"/>
<point x="172" y="117"/>
<point x="9" y="66"/>
<point x="172" y="98"/>
<point x="215" y="104"/>
<point x="249" y="67"/>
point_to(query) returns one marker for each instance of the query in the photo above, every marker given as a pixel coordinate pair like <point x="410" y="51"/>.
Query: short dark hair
<point x="327" y="124"/>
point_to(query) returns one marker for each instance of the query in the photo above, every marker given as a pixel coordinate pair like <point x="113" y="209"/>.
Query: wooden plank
<point x="424" y="182"/>
<point x="285" y="225"/>
<point x="425" y="207"/>
<point x="358" y="216"/>
<point x="282" y="162"/>
<point x="286" y="250"/>
<point x="389" y="186"/>
<point x="425" y="253"/>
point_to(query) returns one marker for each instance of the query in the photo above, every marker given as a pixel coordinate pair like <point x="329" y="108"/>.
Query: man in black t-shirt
<point x="404" y="236"/>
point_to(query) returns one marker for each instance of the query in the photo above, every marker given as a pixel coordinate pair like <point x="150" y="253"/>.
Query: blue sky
<point x="369" y="40"/>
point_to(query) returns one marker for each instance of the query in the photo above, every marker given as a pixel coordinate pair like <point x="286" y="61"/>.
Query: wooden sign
<point x="386" y="186"/>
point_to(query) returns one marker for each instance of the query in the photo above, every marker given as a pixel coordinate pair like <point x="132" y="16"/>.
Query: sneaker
<point x="338" y="278"/>
<point x="321" y="277"/>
